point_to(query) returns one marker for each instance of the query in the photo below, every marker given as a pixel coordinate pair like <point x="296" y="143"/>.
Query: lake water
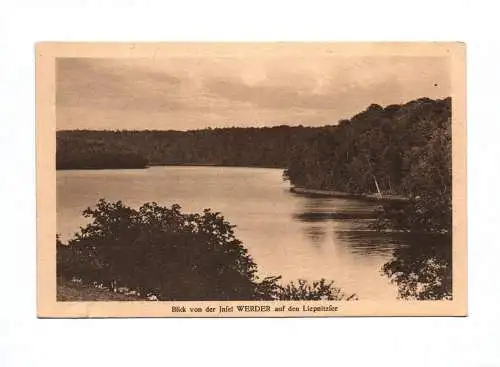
<point x="286" y="234"/>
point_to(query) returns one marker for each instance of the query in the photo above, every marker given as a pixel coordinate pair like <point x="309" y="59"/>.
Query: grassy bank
<point x="72" y="292"/>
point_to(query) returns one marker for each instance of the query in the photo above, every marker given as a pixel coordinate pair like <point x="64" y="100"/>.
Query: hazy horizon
<point x="193" y="93"/>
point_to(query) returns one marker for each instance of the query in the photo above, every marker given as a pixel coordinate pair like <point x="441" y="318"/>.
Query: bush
<point x="162" y="252"/>
<point x="315" y="291"/>
<point x="422" y="272"/>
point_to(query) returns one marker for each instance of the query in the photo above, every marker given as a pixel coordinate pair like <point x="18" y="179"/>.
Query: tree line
<point x="404" y="149"/>
<point x="251" y="147"/>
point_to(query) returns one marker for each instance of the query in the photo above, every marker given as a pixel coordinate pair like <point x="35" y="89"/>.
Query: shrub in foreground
<point x="162" y="252"/>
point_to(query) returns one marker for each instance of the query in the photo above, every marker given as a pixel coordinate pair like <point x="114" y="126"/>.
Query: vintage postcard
<point x="251" y="179"/>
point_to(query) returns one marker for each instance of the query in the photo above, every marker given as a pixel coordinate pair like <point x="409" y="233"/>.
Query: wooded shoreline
<point x="404" y="150"/>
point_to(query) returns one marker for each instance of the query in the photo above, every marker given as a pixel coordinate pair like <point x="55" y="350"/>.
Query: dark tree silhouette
<point x="162" y="252"/>
<point x="423" y="272"/>
<point x="254" y="147"/>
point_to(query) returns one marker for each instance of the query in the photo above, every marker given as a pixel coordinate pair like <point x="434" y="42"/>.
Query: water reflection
<point x="369" y="242"/>
<point x="314" y="209"/>
<point x="349" y="223"/>
<point x="419" y="265"/>
<point x="316" y="234"/>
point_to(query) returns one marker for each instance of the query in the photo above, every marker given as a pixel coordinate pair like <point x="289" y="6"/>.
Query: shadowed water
<point x="286" y="234"/>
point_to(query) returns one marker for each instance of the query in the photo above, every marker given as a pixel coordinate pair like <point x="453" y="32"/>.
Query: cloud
<point x="341" y="86"/>
<point x="196" y="92"/>
<point x="267" y="96"/>
<point x="104" y="84"/>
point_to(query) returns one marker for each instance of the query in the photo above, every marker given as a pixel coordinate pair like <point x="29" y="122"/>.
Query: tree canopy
<point x="405" y="149"/>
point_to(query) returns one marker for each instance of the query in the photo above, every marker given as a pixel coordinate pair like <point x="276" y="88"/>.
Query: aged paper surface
<point x="324" y="169"/>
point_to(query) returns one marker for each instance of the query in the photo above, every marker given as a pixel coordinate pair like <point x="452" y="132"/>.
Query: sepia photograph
<point x="251" y="179"/>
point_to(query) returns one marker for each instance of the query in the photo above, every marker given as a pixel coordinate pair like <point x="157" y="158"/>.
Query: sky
<point x="185" y="93"/>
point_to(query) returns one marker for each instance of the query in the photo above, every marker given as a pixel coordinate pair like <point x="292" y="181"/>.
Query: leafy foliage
<point x="422" y="272"/>
<point x="318" y="290"/>
<point x="271" y="289"/>
<point x="162" y="252"/>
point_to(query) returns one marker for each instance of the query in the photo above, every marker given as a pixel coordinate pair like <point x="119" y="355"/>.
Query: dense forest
<point x="404" y="149"/>
<point x="251" y="147"/>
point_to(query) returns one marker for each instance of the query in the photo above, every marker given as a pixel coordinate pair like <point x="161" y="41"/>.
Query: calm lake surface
<point x="287" y="234"/>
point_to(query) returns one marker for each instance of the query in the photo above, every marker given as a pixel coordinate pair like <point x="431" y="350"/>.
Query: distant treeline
<point x="103" y="159"/>
<point x="252" y="147"/>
